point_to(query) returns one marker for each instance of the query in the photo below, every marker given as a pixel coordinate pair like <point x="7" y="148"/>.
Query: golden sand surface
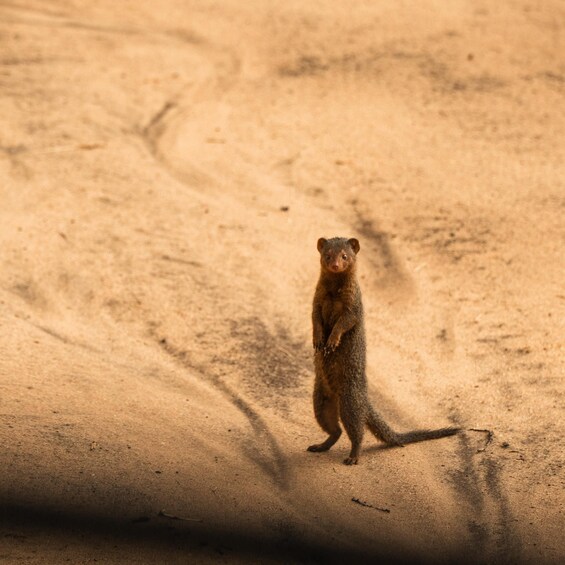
<point x="166" y="170"/>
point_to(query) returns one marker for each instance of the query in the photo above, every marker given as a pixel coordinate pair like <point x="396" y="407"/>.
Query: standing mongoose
<point x="340" y="388"/>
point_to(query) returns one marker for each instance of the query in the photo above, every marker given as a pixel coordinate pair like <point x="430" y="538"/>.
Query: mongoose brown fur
<point x="340" y="388"/>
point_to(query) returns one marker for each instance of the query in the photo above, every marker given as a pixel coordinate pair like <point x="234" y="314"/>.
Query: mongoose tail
<point x="385" y="433"/>
<point x="424" y="435"/>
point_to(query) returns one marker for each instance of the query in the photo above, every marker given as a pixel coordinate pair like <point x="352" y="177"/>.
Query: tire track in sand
<point x="159" y="135"/>
<point x="477" y="483"/>
<point x="273" y="461"/>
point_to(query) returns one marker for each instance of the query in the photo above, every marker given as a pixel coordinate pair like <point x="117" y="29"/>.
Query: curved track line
<point x="276" y="465"/>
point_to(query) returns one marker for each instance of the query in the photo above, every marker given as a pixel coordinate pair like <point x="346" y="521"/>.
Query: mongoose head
<point x="338" y="255"/>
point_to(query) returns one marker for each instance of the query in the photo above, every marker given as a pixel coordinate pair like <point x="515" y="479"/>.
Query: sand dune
<point x="166" y="172"/>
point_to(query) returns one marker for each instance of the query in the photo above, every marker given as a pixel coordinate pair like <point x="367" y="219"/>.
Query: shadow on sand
<point x="155" y="535"/>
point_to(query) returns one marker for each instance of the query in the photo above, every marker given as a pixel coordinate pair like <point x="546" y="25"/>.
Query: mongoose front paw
<point x="329" y="349"/>
<point x="351" y="461"/>
<point x="333" y="342"/>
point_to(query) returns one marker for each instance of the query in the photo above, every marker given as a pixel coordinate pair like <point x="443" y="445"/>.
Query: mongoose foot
<point x="351" y="461"/>
<point x="318" y="447"/>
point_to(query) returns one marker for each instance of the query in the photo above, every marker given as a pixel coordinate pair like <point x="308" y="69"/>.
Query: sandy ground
<point x="166" y="169"/>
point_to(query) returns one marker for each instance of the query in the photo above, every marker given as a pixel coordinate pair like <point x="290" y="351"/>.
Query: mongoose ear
<point x="321" y="243"/>
<point x="354" y="245"/>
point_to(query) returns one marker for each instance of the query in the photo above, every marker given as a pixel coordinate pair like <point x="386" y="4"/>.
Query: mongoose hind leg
<point x="327" y="415"/>
<point x="352" y="411"/>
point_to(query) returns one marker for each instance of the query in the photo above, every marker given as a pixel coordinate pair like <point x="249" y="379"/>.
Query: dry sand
<point x="166" y="169"/>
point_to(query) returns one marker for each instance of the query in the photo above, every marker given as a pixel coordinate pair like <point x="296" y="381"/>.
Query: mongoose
<point x="340" y="388"/>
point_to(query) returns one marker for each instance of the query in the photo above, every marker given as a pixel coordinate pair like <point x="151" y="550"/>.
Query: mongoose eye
<point x="344" y="256"/>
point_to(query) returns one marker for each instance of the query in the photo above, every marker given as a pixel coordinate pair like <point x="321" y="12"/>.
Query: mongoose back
<point x="340" y="387"/>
